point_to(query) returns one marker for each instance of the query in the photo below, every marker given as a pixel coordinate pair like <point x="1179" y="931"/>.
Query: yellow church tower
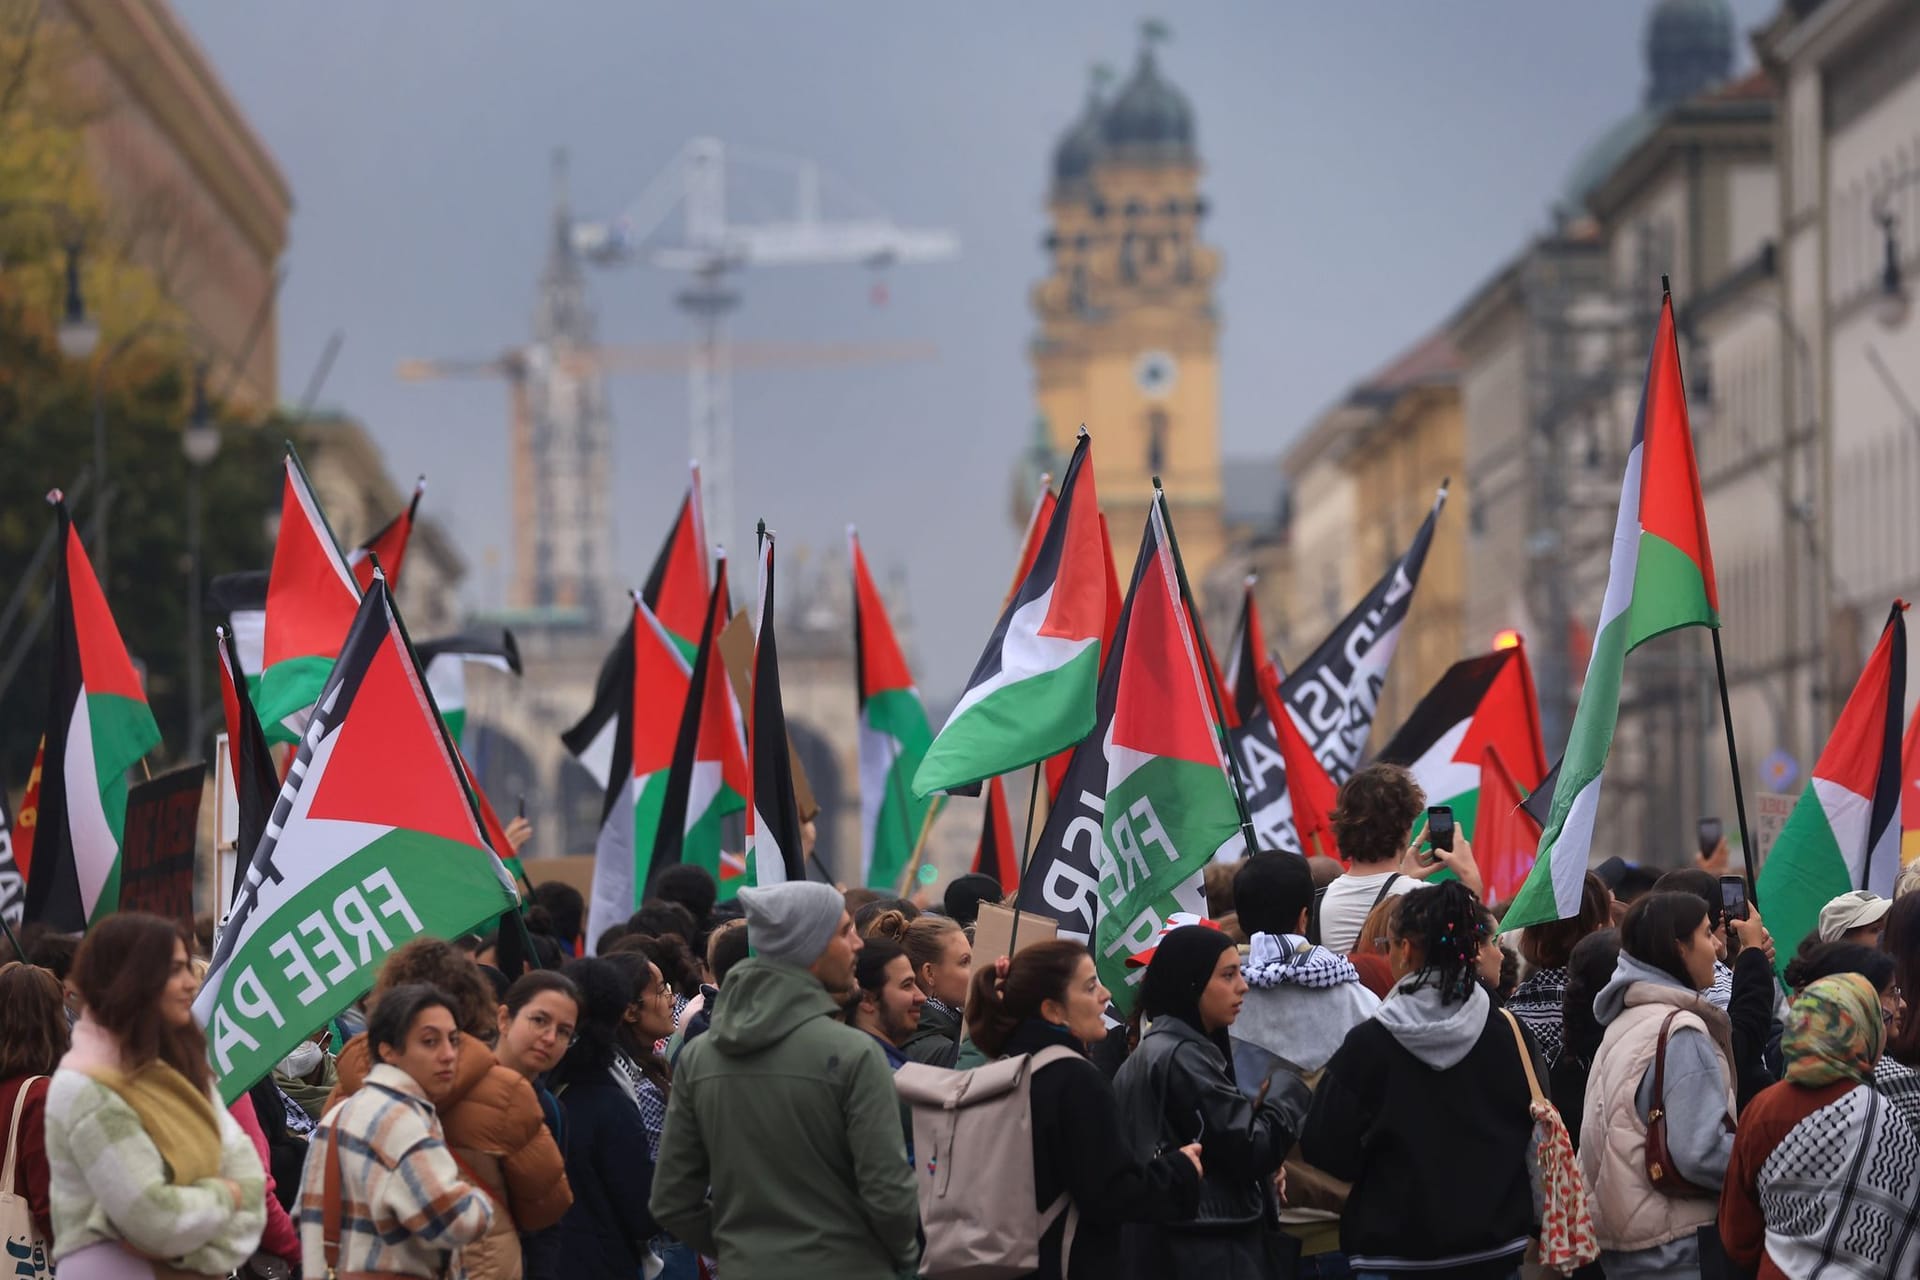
<point x="1128" y="334"/>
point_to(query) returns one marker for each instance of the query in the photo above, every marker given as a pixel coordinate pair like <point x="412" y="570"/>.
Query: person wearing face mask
<point x="382" y="1193"/>
<point x="1425" y="1110"/>
<point x="149" y="1174"/>
<point x="1050" y="996"/>
<point x="308" y="1074"/>
<point x="1667" y="1057"/>
<point x="779" y="1080"/>
<point x="1179" y="1087"/>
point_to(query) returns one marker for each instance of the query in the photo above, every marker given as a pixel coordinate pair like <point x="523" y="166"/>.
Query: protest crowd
<point x="1373" y="1045"/>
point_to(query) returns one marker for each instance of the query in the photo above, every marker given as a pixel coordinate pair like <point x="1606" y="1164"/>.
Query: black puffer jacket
<point x="1175" y="1089"/>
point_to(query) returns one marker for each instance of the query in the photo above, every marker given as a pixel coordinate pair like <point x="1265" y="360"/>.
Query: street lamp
<point x="200" y="442"/>
<point x="79" y="332"/>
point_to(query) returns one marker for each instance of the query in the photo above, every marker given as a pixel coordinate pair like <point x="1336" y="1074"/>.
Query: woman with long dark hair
<point x="1664" y="1075"/>
<point x="606" y="1232"/>
<point x="1050" y="996"/>
<point x="33" y="1036"/>
<point x="1425" y="1108"/>
<point x="1179" y="1087"/>
<point x="149" y="1172"/>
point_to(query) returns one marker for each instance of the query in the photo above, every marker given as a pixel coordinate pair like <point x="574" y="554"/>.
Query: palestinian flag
<point x="255" y="783"/>
<point x="1309" y="790"/>
<point x="1246" y="657"/>
<point x="242" y="598"/>
<point x="1660" y="579"/>
<point x="894" y="736"/>
<point x="389" y="545"/>
<point x="996" y="855"/>
<point x="774" y="849"/>
<point x="676" y="587"/>
<point x="445" y="662"/>
<point x="708" y="780"/>
<point x="1169" y="807"/>
<point x="1844" y="832"/>
<point x="311" y="599"/>
<point x="98" y="726"/>
<point x="1910" y="794"/>
<point x="1507" y="836"/>
<point x="373" y="842"/>
<point x="637" y="787"/>
<point x="1056" y="765"/>
<point x="1481" y="703"/>
<point x="1032" y="693"/>
<point x="591" y="740"/>
<point x="1036" y="533"/>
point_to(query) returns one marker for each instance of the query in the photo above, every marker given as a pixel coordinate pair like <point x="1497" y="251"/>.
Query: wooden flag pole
<point x="920" y="846"/>
<point x="1733" y="757"/>
<point x="1026" y="856"/>
<point x="1238" y="783"/>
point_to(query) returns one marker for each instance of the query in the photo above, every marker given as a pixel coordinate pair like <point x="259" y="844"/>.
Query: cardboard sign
<point x="993" y="932"/>
<point x="1770" y="814"/>
<point x="156" y="856"/>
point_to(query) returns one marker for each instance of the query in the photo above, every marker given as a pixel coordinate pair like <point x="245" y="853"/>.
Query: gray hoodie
<point x="1439" y="1034"/>
<point x="1697" y="1134"/>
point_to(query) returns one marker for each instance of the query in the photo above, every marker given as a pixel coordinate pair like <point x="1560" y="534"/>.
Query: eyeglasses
<point x="665" y="989"/>
<point x="543" y="1023"/>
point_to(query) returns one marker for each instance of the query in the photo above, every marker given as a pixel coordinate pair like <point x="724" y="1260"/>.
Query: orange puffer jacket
<point x="495" y="1127"/>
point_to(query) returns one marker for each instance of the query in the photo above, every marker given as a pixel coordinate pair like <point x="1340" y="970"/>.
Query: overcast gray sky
<point x="1368" y="163"/>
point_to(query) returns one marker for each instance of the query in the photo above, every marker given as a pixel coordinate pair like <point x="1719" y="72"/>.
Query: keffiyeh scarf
<point x="1289" y="960"/>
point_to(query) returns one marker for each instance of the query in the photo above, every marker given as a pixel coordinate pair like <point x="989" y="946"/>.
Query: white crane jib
<point x="695" y="183"/>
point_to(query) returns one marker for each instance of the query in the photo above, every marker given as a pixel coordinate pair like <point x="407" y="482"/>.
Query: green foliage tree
<point x="46" y="442"/>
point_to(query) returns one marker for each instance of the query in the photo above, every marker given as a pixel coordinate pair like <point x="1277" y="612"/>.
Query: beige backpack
<point x="973" y="1165"/>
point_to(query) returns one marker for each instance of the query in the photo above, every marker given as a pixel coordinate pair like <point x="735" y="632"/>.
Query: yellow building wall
<point x="1396" y="469"/>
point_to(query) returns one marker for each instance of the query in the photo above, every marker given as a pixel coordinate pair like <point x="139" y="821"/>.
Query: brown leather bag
<point x="330" y="1214"/>
<point x="1661" y="1172"/>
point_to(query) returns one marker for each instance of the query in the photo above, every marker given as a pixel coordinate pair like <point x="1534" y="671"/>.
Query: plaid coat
<point x="404" y="1205"/>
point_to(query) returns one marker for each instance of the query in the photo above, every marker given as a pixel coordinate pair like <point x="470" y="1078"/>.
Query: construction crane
<point x="713" y="248"/>
<point x="517" y="365"/>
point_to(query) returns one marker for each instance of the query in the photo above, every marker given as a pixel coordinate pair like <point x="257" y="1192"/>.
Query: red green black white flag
<point x="389" y="545"/>
<point x="311" y="600"/>
<point x="1032" y="693"/>
<point x="774" y="850"/>
<point x="98" y="726"/>
<point x="894" y="736"/>
<point x="374" y="841"/>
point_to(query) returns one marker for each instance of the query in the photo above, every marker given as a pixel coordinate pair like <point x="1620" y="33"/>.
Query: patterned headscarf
<point x="1835" y="1031"/>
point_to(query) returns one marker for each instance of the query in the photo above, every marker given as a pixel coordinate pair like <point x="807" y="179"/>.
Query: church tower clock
<point x="1128" y="333"/>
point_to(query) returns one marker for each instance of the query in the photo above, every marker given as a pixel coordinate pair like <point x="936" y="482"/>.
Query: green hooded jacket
<point x="790" y="1118"/>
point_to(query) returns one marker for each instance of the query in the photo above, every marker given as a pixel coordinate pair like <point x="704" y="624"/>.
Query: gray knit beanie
<point x="793" y="922"/>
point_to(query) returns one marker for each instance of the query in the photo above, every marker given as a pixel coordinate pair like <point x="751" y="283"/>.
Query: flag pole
<point x="1733" y="757"/>
<point x="19" y="952"/>
<point x="1026" y="856"/>
<point x="1213" y="689"/>
<point x="920" y="846"/>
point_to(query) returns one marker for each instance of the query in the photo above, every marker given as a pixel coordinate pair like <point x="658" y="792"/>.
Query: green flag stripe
<point x="290" y="686"/>
<point x="995" y="735"/>
<point x="333" y="935"/>
<point x="1805" y="870"/>
<point x="1668" y="592"/>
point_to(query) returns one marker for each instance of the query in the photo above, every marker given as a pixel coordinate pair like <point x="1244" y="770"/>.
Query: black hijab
<point x="1182" y="966"/>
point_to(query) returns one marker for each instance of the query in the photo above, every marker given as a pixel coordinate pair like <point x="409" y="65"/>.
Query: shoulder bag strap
<point x="13" y="1134"/>
<point x="1658" y="1110"/>
<point x="1385" y="889"/>
<point x="330" y="1207"/>
<point x="1526" y="1058"/>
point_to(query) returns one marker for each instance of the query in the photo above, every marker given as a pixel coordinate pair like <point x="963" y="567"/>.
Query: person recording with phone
<point x="1374" y="811"/>
<point x="1743" y="983"/>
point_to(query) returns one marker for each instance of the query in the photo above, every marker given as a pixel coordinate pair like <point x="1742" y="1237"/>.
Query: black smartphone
<point x="1440" y="827"/>
<point x="523" y="804"/>
<point x="1710" y="831"/>
<point x="1733" y="897"/>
